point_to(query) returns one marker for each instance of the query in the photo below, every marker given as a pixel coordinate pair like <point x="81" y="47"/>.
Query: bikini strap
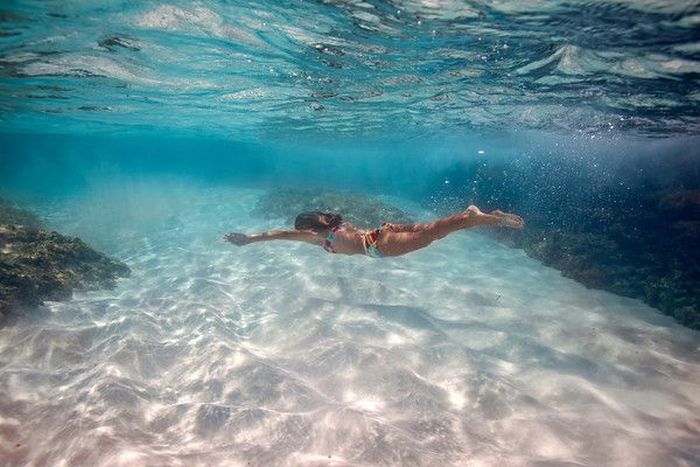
<point x="330" y="238"/>
<point x="371" y="236"/>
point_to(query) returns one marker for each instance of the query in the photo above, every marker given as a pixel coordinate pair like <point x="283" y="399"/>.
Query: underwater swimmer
<point x="329" y="230"/>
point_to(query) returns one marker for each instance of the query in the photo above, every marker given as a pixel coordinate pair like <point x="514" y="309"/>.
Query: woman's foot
<point x="472" y="211"/>
<point x="508" y="220"/>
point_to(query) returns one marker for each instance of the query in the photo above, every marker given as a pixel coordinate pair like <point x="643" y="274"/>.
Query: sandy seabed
<point x="466" y="353"/>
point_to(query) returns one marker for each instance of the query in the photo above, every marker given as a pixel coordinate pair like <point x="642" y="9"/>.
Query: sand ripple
<point x="467" y="353"/>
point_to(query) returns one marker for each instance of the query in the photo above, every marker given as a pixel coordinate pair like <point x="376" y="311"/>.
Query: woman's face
<point x="324" y="220"/>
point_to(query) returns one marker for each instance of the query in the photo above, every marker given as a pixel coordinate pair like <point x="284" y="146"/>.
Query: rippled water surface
<point x="246" y="69"/>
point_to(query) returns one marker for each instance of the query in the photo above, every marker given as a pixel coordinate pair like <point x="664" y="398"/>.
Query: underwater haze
<point x="150" y="129"/>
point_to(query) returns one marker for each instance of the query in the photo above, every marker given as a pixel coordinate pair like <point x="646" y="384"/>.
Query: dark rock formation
<point x="598" y="261"/>
<point x="610" y="228"/>
<point x="37" y="264"/>
<point x="359" y="209"/>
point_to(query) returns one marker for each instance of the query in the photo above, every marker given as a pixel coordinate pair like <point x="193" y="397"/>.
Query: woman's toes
<point x="510" y="220"/>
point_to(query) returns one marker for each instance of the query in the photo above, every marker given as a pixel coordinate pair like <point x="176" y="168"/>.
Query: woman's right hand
<point x="238" y="239"/>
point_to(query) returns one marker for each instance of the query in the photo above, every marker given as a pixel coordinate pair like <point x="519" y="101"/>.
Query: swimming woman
<point x="335" y="236"/>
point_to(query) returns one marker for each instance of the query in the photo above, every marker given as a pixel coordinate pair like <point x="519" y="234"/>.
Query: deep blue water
<point x="151" y="128"/>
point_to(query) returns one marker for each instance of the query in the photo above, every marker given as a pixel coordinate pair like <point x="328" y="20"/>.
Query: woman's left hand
<point x="238" y="239"/>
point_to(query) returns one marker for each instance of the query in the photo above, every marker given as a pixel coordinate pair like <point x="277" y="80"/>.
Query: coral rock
<point x="37" y="265"/>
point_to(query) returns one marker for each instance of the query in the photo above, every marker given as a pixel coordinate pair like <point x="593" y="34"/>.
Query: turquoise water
<point x="150" y="129"/>
<point x="269" y="70"/>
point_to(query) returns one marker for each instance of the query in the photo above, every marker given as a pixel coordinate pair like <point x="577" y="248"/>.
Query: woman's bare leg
<point x="405" y="227"/>
<point x="400" y="241"/>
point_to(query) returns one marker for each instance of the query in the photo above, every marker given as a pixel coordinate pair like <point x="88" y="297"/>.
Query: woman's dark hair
<point x="317" y="221"/>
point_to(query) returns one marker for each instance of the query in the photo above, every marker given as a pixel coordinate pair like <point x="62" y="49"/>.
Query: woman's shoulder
<point x="348" y="227"/>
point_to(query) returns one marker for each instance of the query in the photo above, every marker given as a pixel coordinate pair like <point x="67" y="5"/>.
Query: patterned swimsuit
<point x="369" y="240"/>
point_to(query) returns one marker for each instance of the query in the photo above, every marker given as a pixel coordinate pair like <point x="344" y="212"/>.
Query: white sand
<point x="467" y="353"/>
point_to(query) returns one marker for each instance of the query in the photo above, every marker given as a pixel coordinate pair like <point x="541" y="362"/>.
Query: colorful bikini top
<point x="330" y="238"/>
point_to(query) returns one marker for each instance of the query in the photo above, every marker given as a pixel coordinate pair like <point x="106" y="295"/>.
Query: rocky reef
<point x="630" y="230"/>
<point x="37" y="264"/>
<point x="359" y="209"/>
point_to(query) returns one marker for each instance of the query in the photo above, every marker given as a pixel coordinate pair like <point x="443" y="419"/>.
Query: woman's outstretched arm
<point x="308" y="236"/>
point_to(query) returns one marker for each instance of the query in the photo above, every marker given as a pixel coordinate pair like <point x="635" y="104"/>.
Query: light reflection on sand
<point x="468" y="353"/>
